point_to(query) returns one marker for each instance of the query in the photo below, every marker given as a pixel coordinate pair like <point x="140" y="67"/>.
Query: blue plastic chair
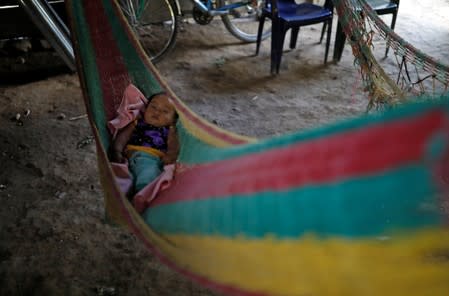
<point x="285" y="15"/>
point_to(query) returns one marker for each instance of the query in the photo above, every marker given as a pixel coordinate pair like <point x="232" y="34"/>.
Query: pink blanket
<point x="134" y="102"/>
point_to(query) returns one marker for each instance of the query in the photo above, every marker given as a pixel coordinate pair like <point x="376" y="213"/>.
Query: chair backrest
<point x="384" y="7"/>
<point x="274" y="5"/>
<point x="395" y="2"/>
<point x="379" y="2"/>
<point x="329" y="5"/>
<point x="277" y="5"/>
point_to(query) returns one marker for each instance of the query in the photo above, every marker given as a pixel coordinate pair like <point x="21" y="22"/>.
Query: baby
<point x="150" y="142"/>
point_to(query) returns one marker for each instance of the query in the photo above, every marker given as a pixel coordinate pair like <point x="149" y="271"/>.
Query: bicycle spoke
<point x="155" y="22"/>
<point x="243" y="19"/>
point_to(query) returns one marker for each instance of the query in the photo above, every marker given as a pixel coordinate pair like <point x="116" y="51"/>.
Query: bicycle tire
<point x="243" y="22"/>
<point x="156" y="24"/>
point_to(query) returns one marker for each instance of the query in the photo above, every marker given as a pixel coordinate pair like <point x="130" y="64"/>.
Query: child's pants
<point x="144" y="168"/>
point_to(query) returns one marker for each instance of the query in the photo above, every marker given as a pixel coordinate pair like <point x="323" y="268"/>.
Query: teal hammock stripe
<point x="138" y="72"/>
<point x="359" y="207"/>
<point x="90" y="71"/>
<point x="197" y="152"/>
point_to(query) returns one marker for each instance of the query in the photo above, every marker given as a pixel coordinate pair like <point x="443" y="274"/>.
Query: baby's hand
<point x="117" y="156"/>
<point x="168" y="159"/>
<point x="173" y="147"/>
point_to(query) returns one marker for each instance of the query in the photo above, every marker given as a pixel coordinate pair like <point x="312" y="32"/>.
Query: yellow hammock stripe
<point x="206" y="137"/>
<point x="402" y="264"/>
<point x="149" y="150"/>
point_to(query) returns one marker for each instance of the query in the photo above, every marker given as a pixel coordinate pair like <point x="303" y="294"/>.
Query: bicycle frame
<point x="240" y="18"/>
<point x="207" y="7"/>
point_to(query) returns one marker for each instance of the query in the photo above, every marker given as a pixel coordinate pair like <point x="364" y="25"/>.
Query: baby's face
<point x="160" y="112"/>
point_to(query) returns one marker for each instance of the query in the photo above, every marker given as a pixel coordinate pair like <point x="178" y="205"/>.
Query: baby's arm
<point x="172" y="146"/>
<point x="120" y="142"/>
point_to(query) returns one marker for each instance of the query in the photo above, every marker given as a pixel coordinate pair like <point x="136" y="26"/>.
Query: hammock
<point x="355" y="208"/>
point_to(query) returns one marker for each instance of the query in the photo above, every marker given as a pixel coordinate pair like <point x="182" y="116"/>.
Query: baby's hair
<point x="149" y="98"/>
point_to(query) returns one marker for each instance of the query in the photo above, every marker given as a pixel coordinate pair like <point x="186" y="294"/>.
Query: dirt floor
<point x="53" y="237"/>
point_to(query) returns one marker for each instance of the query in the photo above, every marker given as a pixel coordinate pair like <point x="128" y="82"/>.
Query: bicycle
<point x="156" y="22"/>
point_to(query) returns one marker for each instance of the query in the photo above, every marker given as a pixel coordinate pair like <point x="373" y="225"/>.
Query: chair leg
<point x="328" y="39"/>
<point x="273" y="53"/>
<point x="393" y="23"/>
<point x="339" y="45"/>
<point x="274" y="41"/>
<point x="280" y="47"/>
<point x="322" y="32"/>
<point x="259" y="33"/>
<point x="294" y="37"/>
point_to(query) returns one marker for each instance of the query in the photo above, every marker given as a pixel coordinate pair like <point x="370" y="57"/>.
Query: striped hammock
<point x="355" y="208"/>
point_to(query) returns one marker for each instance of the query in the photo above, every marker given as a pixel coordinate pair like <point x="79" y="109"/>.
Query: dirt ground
<point x="53" y="237"/>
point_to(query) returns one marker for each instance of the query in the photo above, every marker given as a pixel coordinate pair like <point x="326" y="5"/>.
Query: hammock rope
<point x="362" y="24"/>
<point x="351" y="208"/>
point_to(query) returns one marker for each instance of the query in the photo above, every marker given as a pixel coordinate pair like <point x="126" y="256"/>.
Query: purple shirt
<point x="147" y="135"/>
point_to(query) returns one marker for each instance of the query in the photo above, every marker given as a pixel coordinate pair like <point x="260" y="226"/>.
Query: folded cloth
<point x="133" y="102"/>
<point x="122" y="176"/>
<point x="144" y="197"/>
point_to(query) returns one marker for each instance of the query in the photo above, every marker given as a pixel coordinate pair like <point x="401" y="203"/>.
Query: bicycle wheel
<point x="156" y="24"/>
<point x="243" y="21"/>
